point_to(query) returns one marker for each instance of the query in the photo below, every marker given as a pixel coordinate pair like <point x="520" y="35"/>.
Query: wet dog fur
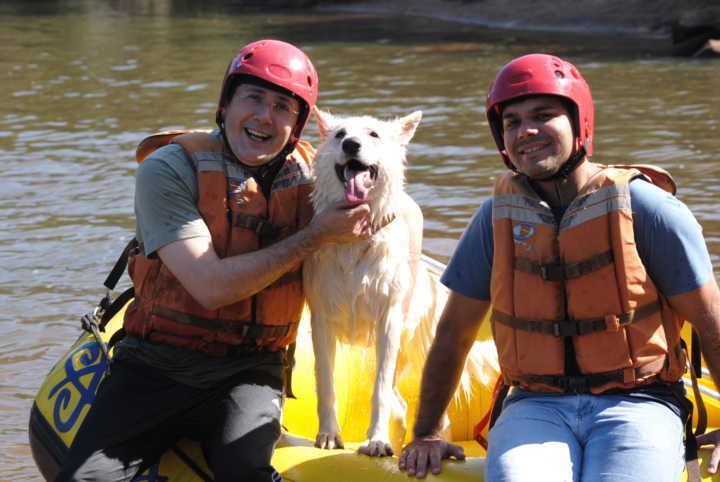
<point x="374" y="293"/>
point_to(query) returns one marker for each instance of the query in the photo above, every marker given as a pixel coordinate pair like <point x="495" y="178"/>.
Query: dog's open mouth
<point x="358" y="179"/>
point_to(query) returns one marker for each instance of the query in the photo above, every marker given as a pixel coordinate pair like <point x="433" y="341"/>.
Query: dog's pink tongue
<point x="357" y="186"/>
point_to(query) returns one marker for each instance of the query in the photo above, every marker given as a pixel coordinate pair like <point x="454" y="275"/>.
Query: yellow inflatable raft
<point x="68" y="391"/>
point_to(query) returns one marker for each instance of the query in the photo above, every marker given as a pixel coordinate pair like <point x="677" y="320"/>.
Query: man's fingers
<point x="402" y="459"/>
<point x="435" y="459"/>
<point x="707" y="438"/>
<point x="411" y="462"/>
<point x="421" y="464"/>
<point x="456" y="451"/>
<point x="714" y="459"/>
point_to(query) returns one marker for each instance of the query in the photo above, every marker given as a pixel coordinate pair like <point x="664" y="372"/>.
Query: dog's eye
<point x="340" y="134"/>
<point x="374" y="134"/>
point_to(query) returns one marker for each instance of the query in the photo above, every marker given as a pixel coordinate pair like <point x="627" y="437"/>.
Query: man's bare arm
<point x="701" y="307"/>
<point x="456" y="333"/>
<point x="216" y="282"/>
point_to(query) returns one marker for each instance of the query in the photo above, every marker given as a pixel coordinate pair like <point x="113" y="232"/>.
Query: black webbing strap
<point x="565" y="328"/>
<point x="111" y="309"/>
<point x="261" y="226"/>
<point x="691" y="444"/>
<point x="560" y="272"/>
<point x="498" y="404"/>
<point x="243" y="328"/>
<point x="191" y="463"/>
<point x="96" y="321"/>
<point x="289" y="362"/>
<point x="584" y="383"/>
<point x="116" y="337"/>
<point x="120" y="265"/>
<point x="695" y="373"/>
<point x="695" y="353"/>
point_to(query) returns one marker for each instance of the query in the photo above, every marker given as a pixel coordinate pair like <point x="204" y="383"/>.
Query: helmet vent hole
<point x="559" y="74"/>
<point x="248" y="56"/>
<point x="309" y="81"/>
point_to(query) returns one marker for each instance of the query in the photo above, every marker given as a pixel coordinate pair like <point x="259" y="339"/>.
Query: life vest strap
<point x="212" y="348"/>
<point x="246" y="329"/>
<point x="262" y="227"/>
<point x="565" y="328"/>
<point x="584" y="383"/>
<point x="561" y="272"/>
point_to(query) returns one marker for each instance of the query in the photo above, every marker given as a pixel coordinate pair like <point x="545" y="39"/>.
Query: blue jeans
<point x="570" y="437"/>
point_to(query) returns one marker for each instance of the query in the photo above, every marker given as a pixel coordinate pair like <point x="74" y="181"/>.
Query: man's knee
<point x="247" y="458"/>
<point x="97" y="467"/>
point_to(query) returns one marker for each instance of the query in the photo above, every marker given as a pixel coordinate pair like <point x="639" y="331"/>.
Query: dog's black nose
<point x="351" y="146"/>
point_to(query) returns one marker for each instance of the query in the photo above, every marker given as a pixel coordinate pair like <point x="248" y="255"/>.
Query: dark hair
<point x="569" y="105"/>
<point x="237" y="80"/>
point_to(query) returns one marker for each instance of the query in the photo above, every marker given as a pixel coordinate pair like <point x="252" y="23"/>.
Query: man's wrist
<point x="423" y="433"/>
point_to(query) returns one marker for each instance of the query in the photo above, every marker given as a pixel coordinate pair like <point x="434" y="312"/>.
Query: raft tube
<point x="68" y="391"/>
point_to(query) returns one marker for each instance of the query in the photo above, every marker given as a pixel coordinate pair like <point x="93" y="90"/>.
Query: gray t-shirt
<point x="166" y="196"/>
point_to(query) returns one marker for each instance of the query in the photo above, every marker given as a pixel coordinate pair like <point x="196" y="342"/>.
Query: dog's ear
<point x="407" y="125"/>
<point x="324" y="122"/>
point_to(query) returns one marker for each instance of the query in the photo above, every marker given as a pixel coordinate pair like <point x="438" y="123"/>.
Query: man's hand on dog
<point x="341" y="223"/>
<point x="421" y="452"/>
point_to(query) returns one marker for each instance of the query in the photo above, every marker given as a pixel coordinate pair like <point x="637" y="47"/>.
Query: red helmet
<point x="280" y="64"/>
<point x="541" y="74"/>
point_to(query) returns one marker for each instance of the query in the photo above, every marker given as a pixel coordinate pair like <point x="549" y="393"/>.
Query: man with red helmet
<point x="223" y="223"/>
<point x="589" y="270"/>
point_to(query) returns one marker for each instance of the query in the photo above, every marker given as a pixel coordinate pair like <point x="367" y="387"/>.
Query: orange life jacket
<point x="581" y="278"/>
<point x="240" y="220"/>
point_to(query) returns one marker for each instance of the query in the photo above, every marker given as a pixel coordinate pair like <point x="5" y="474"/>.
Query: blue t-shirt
<point x="669" y="240"/>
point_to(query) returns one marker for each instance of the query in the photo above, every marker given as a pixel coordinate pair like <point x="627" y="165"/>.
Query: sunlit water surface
<point x="82" y="84"/>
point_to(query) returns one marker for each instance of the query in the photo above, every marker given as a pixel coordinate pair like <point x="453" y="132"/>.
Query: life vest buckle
<point x="552" y="272"/>
<point x="612" y="322"/>
<point x="573" y="384"/>
<point x="91" y="323"/>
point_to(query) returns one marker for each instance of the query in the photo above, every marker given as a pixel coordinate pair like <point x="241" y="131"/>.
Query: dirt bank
<point x="641" y="17"/>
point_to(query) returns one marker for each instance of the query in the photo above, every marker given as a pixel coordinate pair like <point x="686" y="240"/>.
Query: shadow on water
<point x="311" y="26"/>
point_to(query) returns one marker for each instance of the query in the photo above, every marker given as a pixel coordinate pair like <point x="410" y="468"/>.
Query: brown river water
<point x="82" y="82"/>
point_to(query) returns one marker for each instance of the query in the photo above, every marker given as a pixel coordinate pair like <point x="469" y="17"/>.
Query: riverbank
<point x="637" y="17"/>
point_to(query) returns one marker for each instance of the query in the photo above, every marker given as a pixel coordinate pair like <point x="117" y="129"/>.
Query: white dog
<point x="375" y="292"/>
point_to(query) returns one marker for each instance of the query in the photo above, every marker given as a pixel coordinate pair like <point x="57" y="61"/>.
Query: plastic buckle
<point x="552" y="272"/>
<point x="612" y="323"/>
<point x="569" y="328"/>
<point x="574" y="384"/>
<point x="90" y="324"/>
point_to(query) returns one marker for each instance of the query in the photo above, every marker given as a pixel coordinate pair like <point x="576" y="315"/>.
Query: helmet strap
<point x="568" y="167"/>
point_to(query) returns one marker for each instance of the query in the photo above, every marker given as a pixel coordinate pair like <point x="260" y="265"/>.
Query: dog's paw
<point x="376" y="448"/>
<point x="326" y="440"/>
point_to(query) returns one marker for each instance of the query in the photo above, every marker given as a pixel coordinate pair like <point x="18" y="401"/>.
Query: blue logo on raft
<point x="92" y="362"/>
<point x="152" y="475"/>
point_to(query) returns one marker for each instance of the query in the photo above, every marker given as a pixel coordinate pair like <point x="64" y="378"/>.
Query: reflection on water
<point x="83" y="83"/>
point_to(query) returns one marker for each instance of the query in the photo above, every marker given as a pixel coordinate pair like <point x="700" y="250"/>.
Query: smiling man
<point x="589" y="270"/>
<point x="224" y="222"/>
